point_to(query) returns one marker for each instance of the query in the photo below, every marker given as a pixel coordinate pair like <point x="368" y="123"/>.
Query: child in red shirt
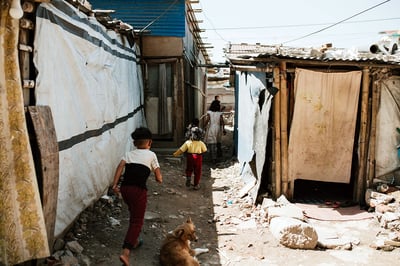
<point x="194" y="149"/>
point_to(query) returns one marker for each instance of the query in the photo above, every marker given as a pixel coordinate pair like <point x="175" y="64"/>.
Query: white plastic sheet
<point x="253" y="117"/>
<point x="91" y="80"/>
<point x="388" y="119"/>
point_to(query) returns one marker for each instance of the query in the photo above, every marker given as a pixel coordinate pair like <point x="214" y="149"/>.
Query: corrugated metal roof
<point x="159" y="17"/>
<point x="252" y="51"/>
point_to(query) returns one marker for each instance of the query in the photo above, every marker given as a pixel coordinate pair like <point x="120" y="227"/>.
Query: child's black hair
<point x="195" y="133"/>
<point x="195" y="122"/>
<point x="215" y="106"/>
<point x="141" y="133"/>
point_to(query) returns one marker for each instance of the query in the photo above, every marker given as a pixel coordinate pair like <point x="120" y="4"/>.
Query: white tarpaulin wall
<point x="253" y="125"/>
<point x="322" y="132"/>
<point x="388" y="120"/>
<point x="91" y="80"/>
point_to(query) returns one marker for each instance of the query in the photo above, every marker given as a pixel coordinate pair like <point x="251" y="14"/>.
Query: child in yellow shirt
<point x="194" y="149"/>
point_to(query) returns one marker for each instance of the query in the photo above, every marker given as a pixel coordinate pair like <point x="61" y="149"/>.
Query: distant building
<point x="173" y="58"/>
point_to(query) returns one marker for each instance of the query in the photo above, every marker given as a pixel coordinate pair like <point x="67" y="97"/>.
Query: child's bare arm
<point x="177" y="153"/>
<point x="157" y="173"/>
<point x="117" y="175"/>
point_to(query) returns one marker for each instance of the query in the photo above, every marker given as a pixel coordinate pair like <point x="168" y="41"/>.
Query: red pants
<point x="194" y="163"/>
<point x="136" y="199"/>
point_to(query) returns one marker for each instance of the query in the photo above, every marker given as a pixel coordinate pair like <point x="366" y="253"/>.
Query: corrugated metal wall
<point x="160" y="17"/>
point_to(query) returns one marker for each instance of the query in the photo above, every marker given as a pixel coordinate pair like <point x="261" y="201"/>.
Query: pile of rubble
<point x="385" y="202"/>
<point x="291" y="228"/>
<point x="67" y="250"/>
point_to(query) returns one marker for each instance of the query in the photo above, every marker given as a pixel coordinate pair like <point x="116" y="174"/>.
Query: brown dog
<point x="176" y="250"/>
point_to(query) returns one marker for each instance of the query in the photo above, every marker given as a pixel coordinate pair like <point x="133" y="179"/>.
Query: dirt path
<point x="234" y="231"/>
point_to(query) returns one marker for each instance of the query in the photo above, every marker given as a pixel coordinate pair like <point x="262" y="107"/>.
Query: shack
<point x="317" y="120"/>
<point x="173" y="58"/>
<point x="71" y="92"/>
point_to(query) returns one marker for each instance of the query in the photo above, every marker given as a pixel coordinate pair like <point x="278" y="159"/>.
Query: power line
<point x="299" y="25"/>
<point x="212" y="24"/>
<point x="325" y="28"/>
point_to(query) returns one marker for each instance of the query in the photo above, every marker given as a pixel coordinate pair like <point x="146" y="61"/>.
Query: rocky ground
<point x="234" y="231"/>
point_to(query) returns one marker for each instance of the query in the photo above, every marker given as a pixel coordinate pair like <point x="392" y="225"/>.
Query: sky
<point x="352" y="24"/>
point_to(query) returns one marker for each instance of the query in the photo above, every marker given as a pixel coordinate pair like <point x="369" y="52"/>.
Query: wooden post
<point x="25" y="55"/>
<point x="284" y="132"/>
<point x="180" y="101"/>
<point x="277" y="126"/>
<point x="376" y="88"/>
<point x="291" y="99"/>
<point x="205" y="94"/>
<point x="359" y="184"/>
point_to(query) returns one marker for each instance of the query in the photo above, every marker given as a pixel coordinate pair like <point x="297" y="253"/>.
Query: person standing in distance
<point x="215" y="128"/>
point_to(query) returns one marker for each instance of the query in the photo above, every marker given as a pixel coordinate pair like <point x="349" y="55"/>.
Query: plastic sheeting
<point x="322" y="133"/>
<point x="250" y="85"/>
<point x="90" y="78"/>
<point x="388" y="119"/>
<point x="254" y="103"/>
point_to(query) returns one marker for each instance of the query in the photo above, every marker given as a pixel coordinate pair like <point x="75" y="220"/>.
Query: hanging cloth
<point x="322" y="133"/>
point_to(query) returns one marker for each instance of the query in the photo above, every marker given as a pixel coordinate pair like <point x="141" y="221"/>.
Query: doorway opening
<point x="318" y="192"/>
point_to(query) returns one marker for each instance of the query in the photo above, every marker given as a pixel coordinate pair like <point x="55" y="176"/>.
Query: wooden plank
<point x="376" y="90"/>
<point x="47" y="164"/>
<point x="360" y="182"/>
<point x="25" y="63"/>
<point x="287" y="190"/>
<point x="277" y="141"/>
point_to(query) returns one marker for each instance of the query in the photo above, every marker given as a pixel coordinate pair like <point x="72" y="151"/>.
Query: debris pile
<point x="384" y="201"/>
<point x="291" y="228"/>
<point x="67" y="250"/>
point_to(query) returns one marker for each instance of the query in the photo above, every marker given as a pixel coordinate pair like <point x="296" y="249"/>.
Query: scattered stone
<point x="335" y="243"/>
<point x="152" y="216"/>
<point x="106" y="199"/>
<point x="267" y="203"/>
<point x="58" y="244"/>
<point x="83" y="260"/>
<point x="74" y="246"/>
<point x="380" y="245"/>
<point x="388" y="217"/>
<point x="69" y="260"/>
<point x="282" y="200"/>
<point x="392" y="243"/>
<point x="57" y="255"/>
<point x="382" y="208"/>
<point x="114" y="222"/>
<point x="293" y="233"/>
<point x="373" y="198"/>
<point x="288" y="210"/>
<point x="245" y="190"/>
